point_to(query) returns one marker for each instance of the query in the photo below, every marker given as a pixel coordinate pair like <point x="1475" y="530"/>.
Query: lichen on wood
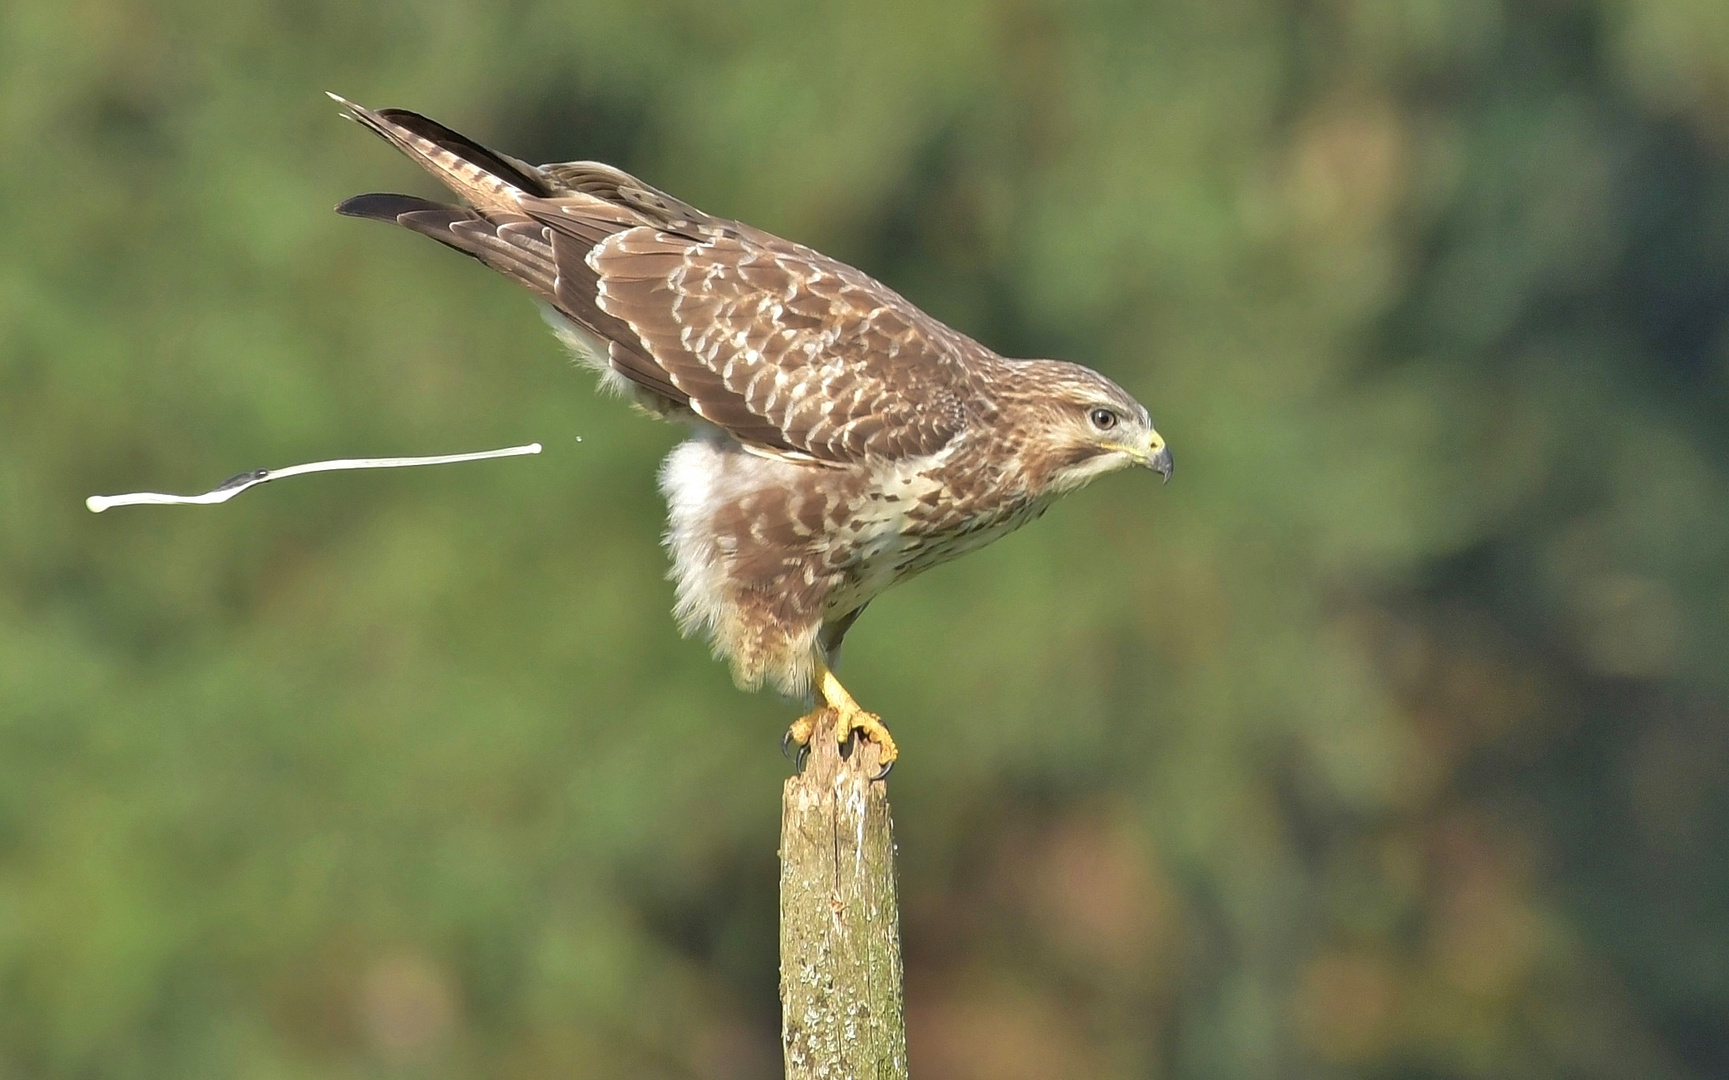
<point x="840" y="953"/>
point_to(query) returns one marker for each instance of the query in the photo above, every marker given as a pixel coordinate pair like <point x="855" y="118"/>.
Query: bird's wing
<point x="789" y="351"/>
<point x="837" y="364"/>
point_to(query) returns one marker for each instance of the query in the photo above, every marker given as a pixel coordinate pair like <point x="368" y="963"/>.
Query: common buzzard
<point x="843" y="440"/>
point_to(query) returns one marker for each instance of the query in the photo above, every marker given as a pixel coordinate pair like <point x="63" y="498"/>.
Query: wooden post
<point x="840" y="943"/>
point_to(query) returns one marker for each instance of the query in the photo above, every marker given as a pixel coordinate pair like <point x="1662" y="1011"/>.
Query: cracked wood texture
<point x="840" y="948"/>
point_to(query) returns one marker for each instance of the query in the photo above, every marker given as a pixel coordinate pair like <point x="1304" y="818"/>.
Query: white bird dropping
<point x="234" y="485"/>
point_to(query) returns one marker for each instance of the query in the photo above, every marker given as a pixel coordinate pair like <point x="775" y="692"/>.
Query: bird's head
<point x="1085" y="426"/>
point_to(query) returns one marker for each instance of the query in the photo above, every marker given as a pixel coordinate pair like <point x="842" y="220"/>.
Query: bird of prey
<point x="842" y="440"/>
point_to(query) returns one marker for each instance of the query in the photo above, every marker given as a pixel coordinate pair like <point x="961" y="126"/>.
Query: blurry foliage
<point x="1389" y="741"/>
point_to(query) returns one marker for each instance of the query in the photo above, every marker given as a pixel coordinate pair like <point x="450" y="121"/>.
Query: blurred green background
<point x="1389" y="741"/>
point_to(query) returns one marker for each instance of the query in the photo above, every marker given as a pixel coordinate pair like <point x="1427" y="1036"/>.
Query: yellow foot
<point x="869" y="725"/>
<point x="853" y="718"/>
<point x="831" y="695"/>
<point x="800" y="733"/>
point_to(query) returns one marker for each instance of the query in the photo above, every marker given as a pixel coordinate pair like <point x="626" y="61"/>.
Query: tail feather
<point x="486" y="179"/>
<point x="533" y="227"/>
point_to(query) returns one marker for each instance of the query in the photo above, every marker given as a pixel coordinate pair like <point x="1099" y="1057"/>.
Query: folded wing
<point x="789" y="351"/>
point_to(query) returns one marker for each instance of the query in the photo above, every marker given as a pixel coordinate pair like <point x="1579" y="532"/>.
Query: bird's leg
<point x="852" y="717"/>
<point x="832" y="695"/>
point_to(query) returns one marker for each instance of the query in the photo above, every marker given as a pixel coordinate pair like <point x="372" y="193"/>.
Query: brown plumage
<point x="844" y="440"/>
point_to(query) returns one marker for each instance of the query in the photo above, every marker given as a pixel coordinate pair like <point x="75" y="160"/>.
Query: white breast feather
<point x="882" y="539"/>
<point x="699" y="477"/>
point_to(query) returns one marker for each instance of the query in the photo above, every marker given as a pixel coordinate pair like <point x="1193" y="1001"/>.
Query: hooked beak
<point x="1157" y="456"/>
<point x="1161" y="464"/>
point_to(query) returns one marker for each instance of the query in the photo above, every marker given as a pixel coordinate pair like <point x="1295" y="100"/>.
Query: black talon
<point x="797" y="756"/>
<point x="889" y="768"/>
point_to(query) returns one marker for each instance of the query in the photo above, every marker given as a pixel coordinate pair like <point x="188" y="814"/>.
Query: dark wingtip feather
<point x="382" y="206"/>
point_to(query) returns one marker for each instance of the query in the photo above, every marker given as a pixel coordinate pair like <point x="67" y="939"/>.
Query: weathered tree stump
<point x="840" y="948"/>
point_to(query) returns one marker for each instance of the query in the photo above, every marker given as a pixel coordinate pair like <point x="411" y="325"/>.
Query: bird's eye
<point x="1103" y="419"/>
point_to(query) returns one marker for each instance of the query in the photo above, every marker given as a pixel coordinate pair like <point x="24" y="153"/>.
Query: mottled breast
<point x="912" y="521"/>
